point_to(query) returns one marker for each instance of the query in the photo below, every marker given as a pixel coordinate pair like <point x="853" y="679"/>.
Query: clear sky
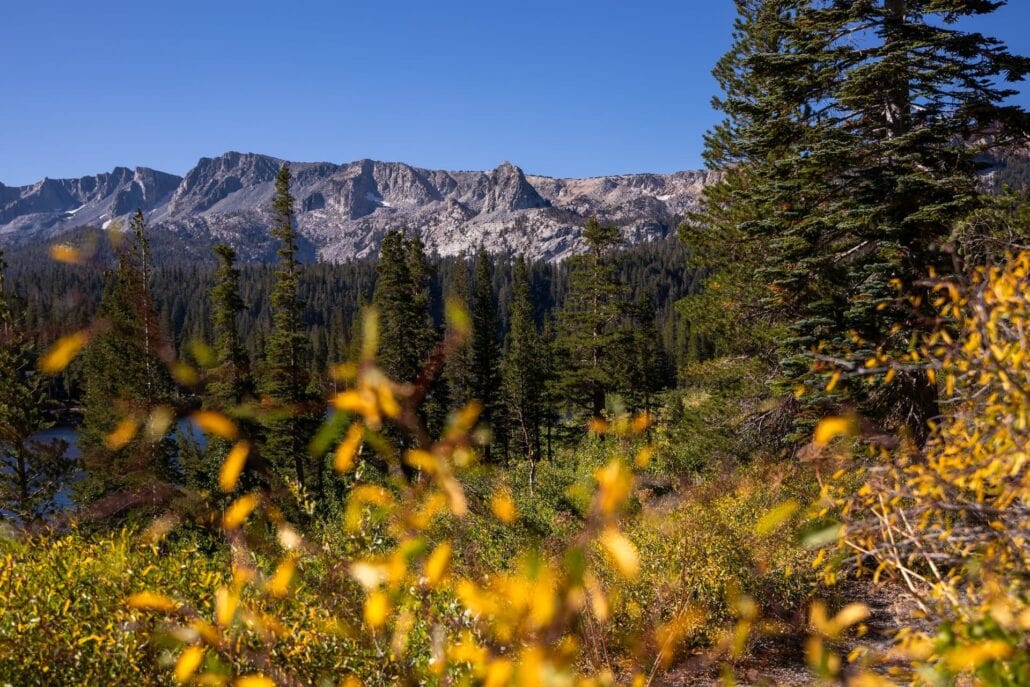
<point x="564" y="88"/>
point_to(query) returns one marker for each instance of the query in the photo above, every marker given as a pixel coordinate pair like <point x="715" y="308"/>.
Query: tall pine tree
<point x="523" y="373"/>
<point x="589" y="324"/>
<point x="485" y="348"/>
<point x="460" y="366"/>
<point x="124" y="381"/>
<point x="284" y="375"/>
<point x="230" y="383"/>
<point x="849" y="153"/>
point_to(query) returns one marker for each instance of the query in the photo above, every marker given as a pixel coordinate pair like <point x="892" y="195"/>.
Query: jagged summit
<point x="343" y="210"/>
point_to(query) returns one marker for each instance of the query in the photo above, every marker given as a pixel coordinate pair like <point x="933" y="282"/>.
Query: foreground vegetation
<point x="476" y="489"/>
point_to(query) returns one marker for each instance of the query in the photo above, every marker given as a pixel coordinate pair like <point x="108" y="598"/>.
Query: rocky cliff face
<point x="344" y="210"/>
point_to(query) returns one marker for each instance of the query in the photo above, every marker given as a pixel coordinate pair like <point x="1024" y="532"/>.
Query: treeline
<point x="547" y="345"/>
<point x="58" y="296"/>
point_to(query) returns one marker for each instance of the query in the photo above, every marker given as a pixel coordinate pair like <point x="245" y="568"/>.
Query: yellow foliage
<point x="215" y="423"/>
<point x="63" y="352"/>
<point x="232" y="466"/>
<point x="150" y="601"/>
<point x="949" y="522"/>
<point x="188" y="662"/>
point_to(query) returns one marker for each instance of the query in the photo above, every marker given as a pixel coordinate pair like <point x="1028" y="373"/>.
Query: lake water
<point x="70" y="435"/>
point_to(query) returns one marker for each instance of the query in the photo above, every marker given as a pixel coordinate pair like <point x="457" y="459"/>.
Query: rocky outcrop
<point x="344" y="210"/>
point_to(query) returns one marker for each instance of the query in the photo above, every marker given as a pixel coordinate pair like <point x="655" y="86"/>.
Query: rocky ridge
<point x="343" y="210"/>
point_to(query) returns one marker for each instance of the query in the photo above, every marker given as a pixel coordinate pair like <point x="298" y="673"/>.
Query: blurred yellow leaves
<point x="622" y="552"/>
<point x="123" y="433"/>
<point x="830" y="428"/>
<point x="187" y="664"/>
<point x="772" y="520"/>
<point x="63" y="352"/>
<point x="216" y="424"/>
<point x="970" y="657"/>
<point x="377" y="609"/>
<point x="254" y="681"/>
<point x="62" y="252"/>
<point x="503" y="507"/>
<point x="614" y="483"/>
<point x="149" y="601"/>
<point x="343" y="458"/>
<point x="226" y="603"/>
<point x="280" y="582"/>
<point x="237" y="513"/>
<point x="437" y="563"/>
<point x="232" y="466"/>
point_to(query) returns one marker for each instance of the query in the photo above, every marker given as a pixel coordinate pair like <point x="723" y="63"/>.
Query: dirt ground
<point x="780" y="662"/>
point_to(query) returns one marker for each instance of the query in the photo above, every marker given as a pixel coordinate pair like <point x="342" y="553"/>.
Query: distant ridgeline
<point x="61" y="297"/>
<point x="342" y="211"/>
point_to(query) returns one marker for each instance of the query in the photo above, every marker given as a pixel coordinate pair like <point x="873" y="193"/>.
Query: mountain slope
<point x="343" y="211"/>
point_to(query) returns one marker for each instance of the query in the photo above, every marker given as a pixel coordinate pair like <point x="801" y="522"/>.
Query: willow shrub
<point x="949" y="522"/>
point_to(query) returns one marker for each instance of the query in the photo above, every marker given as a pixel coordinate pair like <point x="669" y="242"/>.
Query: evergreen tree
<point x="124" y="382"/>
<point x="485" y="348"/>
<point x="230" y="383"/>
<point x="32" y="471"/>
<point x="407" y="333"/>
<point x="647" y="368"/>
<point x="402" y="301"/>
<point x="589" y="323"/>
<point x="523" y="373"/>
<point x="846" y="164"/>
<point x="459" y="368"/>
<point x="284" y="379"/>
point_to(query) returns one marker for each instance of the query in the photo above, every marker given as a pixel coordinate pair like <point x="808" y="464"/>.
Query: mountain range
<point x="343" y="210"/>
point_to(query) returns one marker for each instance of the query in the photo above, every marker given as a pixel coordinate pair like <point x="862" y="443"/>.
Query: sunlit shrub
<point x="949" y="522"/>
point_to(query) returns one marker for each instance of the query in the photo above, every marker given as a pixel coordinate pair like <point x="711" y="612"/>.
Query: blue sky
<point x="561" y="88"/>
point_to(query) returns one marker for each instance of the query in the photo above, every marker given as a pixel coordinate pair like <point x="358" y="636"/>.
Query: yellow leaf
<point x="343" y="459"/>
<point x="239" y="511"/>
<point x="62" y="352"/>
<point x="122" y="434"/>
<point x="362" y="402"/>
<point x="503" y="507"/>
<point x="280" y="582"/>
<point x="216" y="424"/>
<point x="377" y="609"/>
<point x="622" y="552"/>
<point x="834" y="380"/>
<point x="436" y="564"/>
<point x="387" y="401"/>
<point x="62" y="252"/>
<point x="422" y="460"/>
<point x="225" y="606"/>
<point x="232" y="466"/>
<point x="465" y="418"/>
<point x="149" y="601"/>
<point x="830" y="428"/>
<point x="455" y="496"/>
<point x="772" y="520"/>
<point x="254" y="681"/>
<point x="498" y="673"/>
<point x="969" y="658"/>
<point x="189" y="661"/>
<point x="850" y="615"/>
